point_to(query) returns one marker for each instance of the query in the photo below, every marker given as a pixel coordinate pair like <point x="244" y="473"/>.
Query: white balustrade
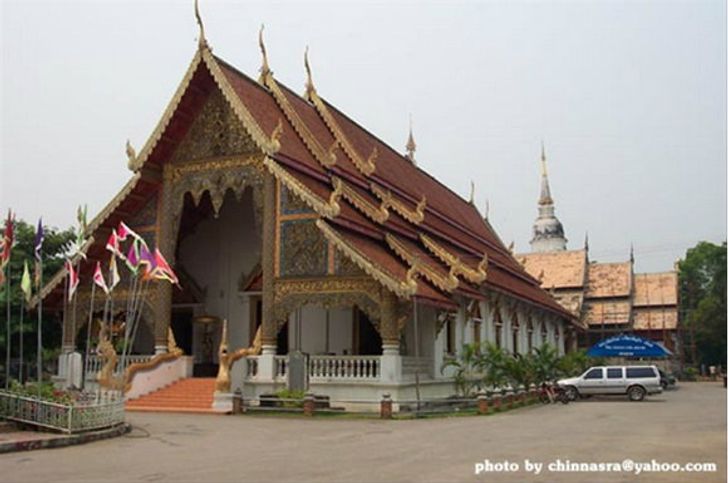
<point x="353" y="368"/>
<point x="281" y="367"/>
<point x="95" y="364"/>
<point x="251" y="367"/>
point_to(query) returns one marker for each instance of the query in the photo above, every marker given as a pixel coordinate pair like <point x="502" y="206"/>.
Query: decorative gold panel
<point x="303" y="249"/>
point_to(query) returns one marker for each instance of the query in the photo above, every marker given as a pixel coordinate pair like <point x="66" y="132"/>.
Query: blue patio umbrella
<point x="626" y="345"/>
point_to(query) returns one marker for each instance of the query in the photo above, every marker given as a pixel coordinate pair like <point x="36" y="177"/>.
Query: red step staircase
<point x="190" y="395"/>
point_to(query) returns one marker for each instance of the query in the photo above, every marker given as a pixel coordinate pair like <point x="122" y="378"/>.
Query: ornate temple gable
<point x="203" y="58"/>
<point x="303" y="249"/>
<point x="215" y="132"/>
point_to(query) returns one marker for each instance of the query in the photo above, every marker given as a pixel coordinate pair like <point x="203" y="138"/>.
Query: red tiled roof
<point x="655" y="289"/>
<point x="606" y="280"/>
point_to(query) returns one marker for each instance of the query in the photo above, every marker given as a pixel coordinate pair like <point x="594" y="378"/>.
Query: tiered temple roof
<point x="396" y="222"/>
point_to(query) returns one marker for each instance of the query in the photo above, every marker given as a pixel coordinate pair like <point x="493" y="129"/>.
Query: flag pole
<point x="40" y="325"/>
<point x="20" y="370"/>
<point x="7" y="328"/>
<point x="88" y="334"/>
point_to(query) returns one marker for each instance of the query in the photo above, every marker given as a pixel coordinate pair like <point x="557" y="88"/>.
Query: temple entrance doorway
<point x="216" y="253"/>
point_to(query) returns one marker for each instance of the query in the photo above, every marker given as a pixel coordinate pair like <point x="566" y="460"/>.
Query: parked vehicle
<point x="666" y="379"/>
<point x="634" y="381"/>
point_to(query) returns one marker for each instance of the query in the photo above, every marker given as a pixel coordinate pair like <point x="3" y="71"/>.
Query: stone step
<point x="191" y="395"/>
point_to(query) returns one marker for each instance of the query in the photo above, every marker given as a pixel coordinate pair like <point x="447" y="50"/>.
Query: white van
<point x="634" y="381"/>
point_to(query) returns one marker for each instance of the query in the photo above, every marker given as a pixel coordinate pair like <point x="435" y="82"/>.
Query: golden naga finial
<point x="201" y="41"/>
<point x="131" y="155"/>
<point x="309" y="80"/>
<point x="264" y="68"/>
<point x="275" y="136"/>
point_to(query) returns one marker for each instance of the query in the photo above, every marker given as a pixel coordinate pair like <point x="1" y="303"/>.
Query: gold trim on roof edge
<point x="377" y="213"/>
<point x="453" y="261"/>
<point x="366" y="166"/>
<point x="328" y="209"/>
<point x="447" y="284"/>
<point x="327" y="158"/>
<point x="141" y="158"/>
<point x="403" y="289"/>
<point x="415" y="216"/>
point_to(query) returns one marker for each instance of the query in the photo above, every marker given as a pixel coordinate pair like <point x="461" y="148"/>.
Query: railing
<point x="67" y="418"/>
<point x="251" y="370"/>
<point x="344" y="367"/>
<point x="281" y="367"/>
<point x="95" y="364"/>
<point x="421" y="365"/>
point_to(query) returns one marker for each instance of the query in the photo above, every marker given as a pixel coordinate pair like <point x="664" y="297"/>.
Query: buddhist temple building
<point x="307" y="234"/>
<point x="607" y="298"/>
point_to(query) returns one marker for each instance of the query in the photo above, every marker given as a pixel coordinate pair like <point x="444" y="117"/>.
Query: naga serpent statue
<point x="107" y="354"/>
<point x="226" y="359"/>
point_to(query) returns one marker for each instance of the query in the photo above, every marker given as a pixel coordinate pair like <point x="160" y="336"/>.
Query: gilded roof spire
<point x="411" y="146"/>
<point x="309" y="80"/>
<point x="264" y="68"/>
<point x="201" y="41"/>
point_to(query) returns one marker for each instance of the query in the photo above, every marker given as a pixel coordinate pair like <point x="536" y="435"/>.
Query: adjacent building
<point x="607" y="298"/>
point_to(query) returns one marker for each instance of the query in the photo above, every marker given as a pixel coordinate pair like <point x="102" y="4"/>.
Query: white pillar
<point x="266" y="363"/>
<point x="390" y="364"/>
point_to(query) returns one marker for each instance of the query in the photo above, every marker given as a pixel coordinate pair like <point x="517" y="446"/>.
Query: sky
<point x="629" y="99"/>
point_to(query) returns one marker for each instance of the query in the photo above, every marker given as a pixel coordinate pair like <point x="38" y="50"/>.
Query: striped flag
<point x="73" y="279"/>
<point x="99" y="278"/>
<point x="147" y="259"/>
<point x="162" y="270"/>
<point x="124" y="232"/>
<point x="132" y="257"/>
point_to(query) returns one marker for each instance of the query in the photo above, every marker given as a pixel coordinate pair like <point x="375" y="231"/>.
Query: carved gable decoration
<point x="215" y="132"/>
<point x="304" y="250"/>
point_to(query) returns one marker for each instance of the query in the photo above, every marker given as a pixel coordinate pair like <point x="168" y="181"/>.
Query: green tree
<point x="55" y="245"/>
<point x="702" y="275"/>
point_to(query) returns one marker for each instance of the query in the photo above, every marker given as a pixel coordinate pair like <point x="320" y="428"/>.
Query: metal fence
<point x="67" y="418"/>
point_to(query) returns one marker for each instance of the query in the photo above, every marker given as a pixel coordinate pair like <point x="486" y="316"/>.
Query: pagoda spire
<point x="201" y="40"/>
<point x="548" y="233"/>
<point x="545" y="198"/>
<point x="411" y="146"/>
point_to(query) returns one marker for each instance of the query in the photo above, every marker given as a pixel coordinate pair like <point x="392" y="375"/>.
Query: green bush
<point x="291" y="394"/>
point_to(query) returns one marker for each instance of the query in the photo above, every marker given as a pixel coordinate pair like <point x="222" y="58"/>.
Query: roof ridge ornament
<point x="264" y="68"/>
<point x="365" y="166"/>
<point x="201" y="40"/>
<point x="131" y="156"/>
<point x="411" y="145"/>
<point x="472" y="193"/>
<point x="310" y="89"/>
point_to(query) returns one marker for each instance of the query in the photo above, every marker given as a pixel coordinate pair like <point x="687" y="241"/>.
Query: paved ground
<point x="685" y="425"/>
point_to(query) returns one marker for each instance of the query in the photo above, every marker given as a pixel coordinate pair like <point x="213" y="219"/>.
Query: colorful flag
<point x="99" y="278"/>
<point x="73" y="279"/>
<point x="115" y="278"/>
<point x="146" y="258"/>
<point x="124" y="231"/>
<point x="132" y="257"/>
<point x="25" y="284"/>
<point x="8" y="239"/>
<point x="162" y="270"/>
<point x="112" y="244"/>
<point x="39" y="237"/>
